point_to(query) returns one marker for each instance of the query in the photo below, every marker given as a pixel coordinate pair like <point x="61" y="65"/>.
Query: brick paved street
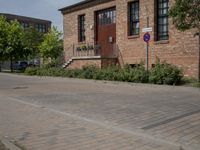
<point x="64" y="114"/>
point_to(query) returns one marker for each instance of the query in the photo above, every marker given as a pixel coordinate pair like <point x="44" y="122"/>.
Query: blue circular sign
<point x="147" y="37"/>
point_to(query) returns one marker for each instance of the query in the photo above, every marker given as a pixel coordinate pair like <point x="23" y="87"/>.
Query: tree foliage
<point x="186" y="14"/>
<point x="3" y="37"/>
<point x="52" y="45"/>
<point x="11" y="43"/>
<point x="10" y="40"/>
<point x="17" y="43"/>
<point x="15" y="46"/>
<point x="32" y="39"/>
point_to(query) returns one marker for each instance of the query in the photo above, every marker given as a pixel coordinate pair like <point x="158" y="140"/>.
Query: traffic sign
<point x="147" y="37"/>
<point x="150" y="29"/>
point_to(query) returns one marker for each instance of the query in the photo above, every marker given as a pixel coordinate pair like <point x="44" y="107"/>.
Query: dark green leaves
<point x="186" y="14"/>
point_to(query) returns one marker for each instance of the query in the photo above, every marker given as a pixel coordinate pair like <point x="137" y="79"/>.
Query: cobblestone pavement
<point x="62" y="114"/>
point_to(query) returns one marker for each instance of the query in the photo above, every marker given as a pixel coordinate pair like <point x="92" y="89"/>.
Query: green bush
<point x="88" y="72"/>
<point x="197" y="84"/>
<point x="31" y="71"/>
<point x="160" y="74"/>
<point x="165" y="74"/>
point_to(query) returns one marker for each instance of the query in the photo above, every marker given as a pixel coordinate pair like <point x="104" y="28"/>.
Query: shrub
<point x="197" y="84"/>
<point x="160" y="74"/>
<point x="137" y="74"/>
<point x="30" y="71"/>
<point x="165" y="74"/>
<point x="88" y="72"/>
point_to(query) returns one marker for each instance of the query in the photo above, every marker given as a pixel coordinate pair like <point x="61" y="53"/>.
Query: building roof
<point x="24" y="18"/>
<point x="82" y="5"/>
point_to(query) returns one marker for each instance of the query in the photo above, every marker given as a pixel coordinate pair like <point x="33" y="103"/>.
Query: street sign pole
<point x="147" y="56"/>
<point x="147" y="49"/>
<point x="146" y="39"/>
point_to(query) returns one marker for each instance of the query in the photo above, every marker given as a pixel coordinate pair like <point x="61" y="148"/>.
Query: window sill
<point x="161" y="42"/>
<point x="133" y="36"/>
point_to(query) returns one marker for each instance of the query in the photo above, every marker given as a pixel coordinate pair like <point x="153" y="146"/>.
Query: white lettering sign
<point x="147" y="29"/>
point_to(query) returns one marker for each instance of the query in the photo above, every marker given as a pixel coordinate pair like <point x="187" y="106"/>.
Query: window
<point x="24" y="25"/>
<point x="41" y="28"/>
<point x="107" y="17"/>
<point x="81" y="28"/>
<point x="134" y="22"/>
<point x="162" y="20"/>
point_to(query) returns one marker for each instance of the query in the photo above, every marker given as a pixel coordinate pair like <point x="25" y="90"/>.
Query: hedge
<point x="160" y="74"/>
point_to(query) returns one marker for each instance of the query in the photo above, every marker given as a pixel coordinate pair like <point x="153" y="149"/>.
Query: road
<point x="72" y="114"/>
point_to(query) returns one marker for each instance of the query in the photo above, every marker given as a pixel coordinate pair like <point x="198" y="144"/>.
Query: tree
<point x="186" y="15"/>
<point x="32" y="39"/>
<point x="3" y="38"/>
<point x="17" y="43"/>
<point x="52" y="45"/>
<point x="15" y="48"/>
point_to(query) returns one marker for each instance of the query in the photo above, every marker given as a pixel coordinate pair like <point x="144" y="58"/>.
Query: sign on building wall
<point x="147" y="29"/>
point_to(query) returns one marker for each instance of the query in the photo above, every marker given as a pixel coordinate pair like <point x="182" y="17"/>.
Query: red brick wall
<point x="108" y="62"/>
<point x="181" y="49"/>
<point x="100" y="63"/>
<point x="79" y="63"/>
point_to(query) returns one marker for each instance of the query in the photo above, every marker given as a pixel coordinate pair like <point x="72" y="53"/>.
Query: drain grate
<point x="170" y="120"/>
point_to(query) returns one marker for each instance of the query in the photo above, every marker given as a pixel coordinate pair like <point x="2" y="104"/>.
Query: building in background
<point x="104" y="32"/>
<point x="41" y="25"/>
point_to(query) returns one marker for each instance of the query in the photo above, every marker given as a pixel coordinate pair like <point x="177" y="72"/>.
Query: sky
<point x="42" y="9"/>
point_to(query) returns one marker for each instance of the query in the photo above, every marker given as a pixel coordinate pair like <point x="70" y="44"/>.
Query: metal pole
<point x="73" y="52"/>
<point x="199" y="60"/>
<point x="147" y="49"/>
<point x="147" y="56"/>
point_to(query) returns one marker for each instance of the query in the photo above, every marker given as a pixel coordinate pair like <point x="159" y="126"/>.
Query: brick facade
<point x="181" y="49"/>
<point x="100" y="63"/>
<point x="79" y="63"/>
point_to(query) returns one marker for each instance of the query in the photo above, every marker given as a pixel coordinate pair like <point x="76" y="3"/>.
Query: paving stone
<point x="57" y="113"/>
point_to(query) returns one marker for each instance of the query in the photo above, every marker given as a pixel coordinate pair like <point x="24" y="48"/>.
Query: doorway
<point x="106" y="31"/>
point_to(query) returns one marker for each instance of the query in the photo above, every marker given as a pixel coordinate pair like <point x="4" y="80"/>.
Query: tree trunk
<point x="11" y="63"/>
<point x="1" y="64"/>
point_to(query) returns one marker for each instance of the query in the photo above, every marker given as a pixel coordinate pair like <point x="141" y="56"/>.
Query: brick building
<point x="41" y="25"/>
<point x="104" y="32"/>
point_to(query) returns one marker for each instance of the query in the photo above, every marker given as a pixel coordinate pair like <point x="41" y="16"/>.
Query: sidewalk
<point x="73" y="114"/>
<point x="40" y="128"/>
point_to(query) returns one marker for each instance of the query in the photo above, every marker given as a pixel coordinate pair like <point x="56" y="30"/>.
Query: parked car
<point x="20" y="65"/>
